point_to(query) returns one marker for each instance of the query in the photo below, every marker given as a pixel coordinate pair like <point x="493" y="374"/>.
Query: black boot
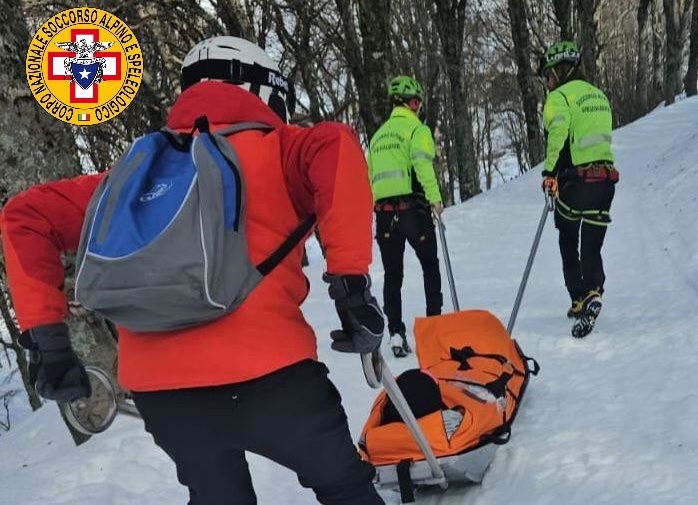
<point x="575" y="310"/>
<point x="398" y="341"/>
<point x="591" y="308"/>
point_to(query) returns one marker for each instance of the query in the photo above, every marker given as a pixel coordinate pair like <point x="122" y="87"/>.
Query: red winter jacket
<point x="289" y="174"/>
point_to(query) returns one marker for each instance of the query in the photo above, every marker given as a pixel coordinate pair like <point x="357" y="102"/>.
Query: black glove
<point x="54" y="369"/>
<point x="362" y="319"/>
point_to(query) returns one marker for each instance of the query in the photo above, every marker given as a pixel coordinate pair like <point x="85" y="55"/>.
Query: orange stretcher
<point x="482" y="375"/>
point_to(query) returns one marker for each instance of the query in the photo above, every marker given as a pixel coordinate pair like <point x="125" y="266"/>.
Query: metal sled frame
<point x="469" y="466"/>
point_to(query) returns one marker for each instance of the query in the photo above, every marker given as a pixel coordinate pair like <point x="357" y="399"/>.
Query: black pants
<point x="392" y="230"/>
<point x="583" y="210"/>
<point x="293" y="416"/>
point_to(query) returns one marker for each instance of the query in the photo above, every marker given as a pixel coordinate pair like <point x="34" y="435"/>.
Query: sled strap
<point x="464" y="354"/>
<point x="532" y="370"/>
<point x="498" y="387"/>
<point x="405" y="481"/>
<point x="501" y="437"/>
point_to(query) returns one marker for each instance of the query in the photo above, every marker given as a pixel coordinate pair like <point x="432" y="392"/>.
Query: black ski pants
<point x="415" y="226"/>
<point x="293" y="416"/>
<point x="583" y="213"/>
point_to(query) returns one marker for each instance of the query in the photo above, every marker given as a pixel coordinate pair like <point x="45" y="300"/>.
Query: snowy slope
<point x="610" y="419"/>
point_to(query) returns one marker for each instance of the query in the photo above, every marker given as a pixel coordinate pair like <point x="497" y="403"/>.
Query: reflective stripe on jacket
<point x="578" y="122"/>
<point x="401" y="146"/>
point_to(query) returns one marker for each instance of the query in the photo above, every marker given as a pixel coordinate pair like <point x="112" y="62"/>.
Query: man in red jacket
<point x="249" y="381"/>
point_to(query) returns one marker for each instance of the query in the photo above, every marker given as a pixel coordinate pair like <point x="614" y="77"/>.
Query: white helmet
<point x="242" y="63"/>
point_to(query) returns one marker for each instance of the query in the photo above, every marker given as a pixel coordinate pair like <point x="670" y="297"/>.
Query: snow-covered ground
<point x="609" y="420"/>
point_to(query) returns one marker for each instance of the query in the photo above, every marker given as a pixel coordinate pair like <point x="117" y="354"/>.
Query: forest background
<point x="477" y="61"/>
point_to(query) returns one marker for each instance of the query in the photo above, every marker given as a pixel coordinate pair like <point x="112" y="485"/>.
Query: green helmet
<point x="404" y="87"/>
<point x="560" y="52"/>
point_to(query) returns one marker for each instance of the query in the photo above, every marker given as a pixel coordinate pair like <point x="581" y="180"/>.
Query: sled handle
<point x="447" y="260"/>
<point x="377" y="373"/>
<point x="548" y="208"/>
<point x="372" y="364"/>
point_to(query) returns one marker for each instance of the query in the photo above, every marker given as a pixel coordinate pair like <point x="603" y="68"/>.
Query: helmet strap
<point x="569" y="72"/>
<point x="558" y="80"/>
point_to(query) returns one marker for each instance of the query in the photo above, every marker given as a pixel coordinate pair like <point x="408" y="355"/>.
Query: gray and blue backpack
<point x="163" y="242"/>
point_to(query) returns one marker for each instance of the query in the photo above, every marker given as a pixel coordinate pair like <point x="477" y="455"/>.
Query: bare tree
<point x="563" y="14"/>
<point x="586" y="10"/>
<point x="676" y="15"/>
<point x="524" y="74"/>
<point x="369" y="57"/>
<point x="235" y="19"/>
<point x="450" y="19"/>
<point x="300" y="44"/>
<point x="643" y="51"/>
<point x="691" y="79"/>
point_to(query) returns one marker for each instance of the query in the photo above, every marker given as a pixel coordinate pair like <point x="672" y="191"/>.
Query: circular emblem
<point x="84" y="66"/>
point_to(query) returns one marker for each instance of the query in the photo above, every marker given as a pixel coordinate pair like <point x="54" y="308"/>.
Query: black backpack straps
<point x="266" y="266"/>
<point x="201" y="124"/>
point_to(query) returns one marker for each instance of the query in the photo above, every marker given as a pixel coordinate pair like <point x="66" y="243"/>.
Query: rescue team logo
<point x="84" y="66"/>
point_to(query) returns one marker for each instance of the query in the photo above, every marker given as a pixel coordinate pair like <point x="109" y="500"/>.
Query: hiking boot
<point x="398" y="341"/>
<point x="396" y="345"/>
<point x="591" y="309"/>
<point x="575" y="311"/>
<point x="591" y="300"/>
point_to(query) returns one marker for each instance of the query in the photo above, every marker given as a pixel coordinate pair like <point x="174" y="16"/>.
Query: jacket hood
<point x="221" y="103"/>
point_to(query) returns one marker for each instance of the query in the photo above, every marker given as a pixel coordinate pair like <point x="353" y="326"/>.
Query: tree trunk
<point x="450" y="19"/>
<point x="23" y="127"/>
<point x="586" y="10"/>
<point x="691" y="79"/>
<point x="434" y="112"/>
<point x="676" y="18"/>
<point x="368" y="59"/>
<point x="526" y="80"/>
<point x="563" y="10"/>
<point x="235" y="19"/>
<point x="299" y="44"/>
<point x="374" y="23"/>
<point x="657" y="70"/>
<point x="641" y="80"/>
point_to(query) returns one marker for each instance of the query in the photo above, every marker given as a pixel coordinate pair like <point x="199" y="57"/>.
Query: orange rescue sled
<point x="482" y="374"/>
